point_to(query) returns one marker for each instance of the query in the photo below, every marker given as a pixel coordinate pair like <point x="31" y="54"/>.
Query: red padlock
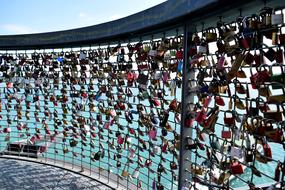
<point x="279" y="55"/>
<point x="122" y="106"/>
<point x="7" y="130"/>
<point x="156" y="101"/>
<point x="84" y="94"/>
<point x="244" y="42"/>
<point x="188" y="122"/>
<point x="179" y="54"/>
<point x="229" y="120"/>
<point x="193" y="51"/>
<point x="164" y="148"/>
<point x="219" y="100"/>
<point x="32" y="139"/>
<point x="201" y="116"/>
<point x="236" y="168"/>
<point x="43" y="149"/>
<point x="173" y="105"/>
<point x="226" y="134"/>
<point x="120" y="139"/>
<point x="148" y="163"/>
<point x="267" y="150"/>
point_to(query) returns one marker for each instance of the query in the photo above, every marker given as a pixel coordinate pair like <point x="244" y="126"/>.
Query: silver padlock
<point x="201" y="49"/>
<point x="152" y="53"/>
<point x="136" y="173"/>
<point x="277" y="18"/>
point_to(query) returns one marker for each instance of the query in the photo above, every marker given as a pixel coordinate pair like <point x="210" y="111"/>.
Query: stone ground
<point x="22" y="175"/>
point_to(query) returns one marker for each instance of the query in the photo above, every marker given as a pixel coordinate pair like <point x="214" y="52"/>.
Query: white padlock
<point x="277" y="18"/>
<point x="237" y="152"/>
<point x="201" y="49"/>
<point x="136" y="173"/>
<point x="156" y="149"/>
<point x="152" y="53"/>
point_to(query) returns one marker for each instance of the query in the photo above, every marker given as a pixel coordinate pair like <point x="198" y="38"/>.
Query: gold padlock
<point x="268" y="19"/>
<point x="274" y="38"/>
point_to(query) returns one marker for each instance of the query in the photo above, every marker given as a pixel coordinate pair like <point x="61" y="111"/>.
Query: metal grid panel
<point x="237" y="115"/>
<point x="108" y="109"/>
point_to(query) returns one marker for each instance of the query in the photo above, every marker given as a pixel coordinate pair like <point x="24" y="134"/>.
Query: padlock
<point x="229" y="120"/>
<point x="179" y="54"/>
<point x="160" y="168"/>
<point x="253" y="111"/>
<point x="277" y="173"/>
<point x="210" y="35"/>
<point x="254" y="22"/>
<point x="120" y="139"/>
<point x="148" y="163"/>
<point x="219" y="101"/>
<point x="236" y="152"/>
<point x="244" y="41"/>
<point x="267" y="150"/>
<point x="7" y="130"/>
<point x="125" y="172"/>
<point x="249" y="156"/>
<point x="275" y="115"/>
<point x="225" y="164"/>
<point x="236" y="168"/>
<point x="279" y="55"/>
<point x="214" y="142"/>
<point x="136" y="173"/>
<point x="173" y="166"/>
<point x="152" y="133"/>
<point x="226" y="134"/>
<point x="281" y="37"/>
<point x="190" y="144"/>
<point x="270" y="54"/>
<point x="265" y="14"/>
<point x="73" y="143"/>
<point x="202" y="48"/>
<point x="221" y="62"/>
<point x="159" y="186"/>
<point x="277" y="19"/>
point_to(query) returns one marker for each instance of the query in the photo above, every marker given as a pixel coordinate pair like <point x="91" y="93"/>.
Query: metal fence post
<point x="185" y="155"/>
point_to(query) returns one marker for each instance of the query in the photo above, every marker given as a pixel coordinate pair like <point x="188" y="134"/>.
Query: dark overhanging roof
<point x="170" y="14"/>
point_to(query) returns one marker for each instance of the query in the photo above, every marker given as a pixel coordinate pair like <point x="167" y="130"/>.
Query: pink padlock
<point x="113" y="113"/>
<point x="19" y="127"/>
<point x="120" y="139"/>
<point x="9" y="85"/>
<point x="207" y="101"/>
<point x="33" y="140"/>
<point x="47" y="132"/>
<point x="156" y="101"/>
<point x="7" y="130"/>
<point x="152" y="133"/>
<point x="201" y="116"/>
<point x="106" y="125"/>
<point x="221" y="63"/>
<point x="165" y="77"/>
<point x="84" y="94"/>
<point x="130" y="76"/>
<point x="132" y="152"/>
<point x="93" y="134"/>
<point x="164" y="148"/>
<point x="43" y="149"/>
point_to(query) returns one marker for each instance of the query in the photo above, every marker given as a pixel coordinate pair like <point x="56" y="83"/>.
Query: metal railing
<point x="142" y="105"/>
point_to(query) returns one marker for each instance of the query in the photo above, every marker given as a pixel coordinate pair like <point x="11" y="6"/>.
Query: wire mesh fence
<point x="121" y="111"/>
